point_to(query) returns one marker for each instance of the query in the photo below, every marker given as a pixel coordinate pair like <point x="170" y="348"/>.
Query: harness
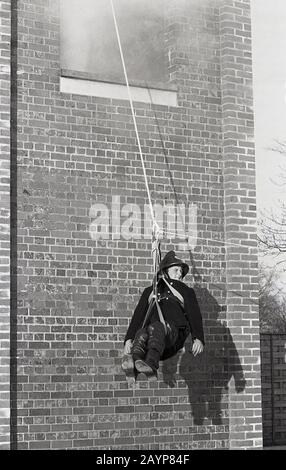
<point x="153" y="299"/>
<point x="174" y="291"/>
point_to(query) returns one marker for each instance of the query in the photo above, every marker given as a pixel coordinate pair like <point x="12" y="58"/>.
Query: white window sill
<point x="90" y="87"/>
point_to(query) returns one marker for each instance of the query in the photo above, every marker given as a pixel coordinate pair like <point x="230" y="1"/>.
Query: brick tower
<point x="74" y="152"/>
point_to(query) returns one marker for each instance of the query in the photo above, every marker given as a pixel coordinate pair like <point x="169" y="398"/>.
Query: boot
<point x="155" y="347"/>
<point x="138" y="350"/>
<point x="139" y="346"/>
<point x="143" y="367"/>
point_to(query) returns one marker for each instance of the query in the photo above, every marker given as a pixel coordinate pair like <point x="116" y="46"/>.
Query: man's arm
<point x="138" y="316"/>
<point x="194" y="316"/>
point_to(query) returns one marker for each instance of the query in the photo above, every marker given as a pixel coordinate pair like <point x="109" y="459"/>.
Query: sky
<point x="269" y="86"/>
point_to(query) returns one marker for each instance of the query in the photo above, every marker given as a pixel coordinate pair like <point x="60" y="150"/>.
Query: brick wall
<point x="76" y="294"/>
<point x="5" y="36"/>
<point x="240" y="218"/>
<point x="273" y="375"/>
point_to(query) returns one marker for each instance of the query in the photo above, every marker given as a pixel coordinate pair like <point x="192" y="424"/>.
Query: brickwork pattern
<point x="76" y="294"/>
<point x="273" y="377"/>
<point x="240" y="218"/>
<point x="5" y="35"/>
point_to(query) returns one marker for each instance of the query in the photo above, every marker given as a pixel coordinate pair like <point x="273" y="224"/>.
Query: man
<point x="149" y="340"/>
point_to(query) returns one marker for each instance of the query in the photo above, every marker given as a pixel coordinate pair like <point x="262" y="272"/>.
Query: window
<point x="89" y="47"/>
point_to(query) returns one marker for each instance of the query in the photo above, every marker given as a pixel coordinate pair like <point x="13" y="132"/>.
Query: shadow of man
<point x="208" y="375"/>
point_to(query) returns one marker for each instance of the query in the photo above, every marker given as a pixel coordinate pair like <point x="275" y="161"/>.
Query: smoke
<point x="89" y="44"/>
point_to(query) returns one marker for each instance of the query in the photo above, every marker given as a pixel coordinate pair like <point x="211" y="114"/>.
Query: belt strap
<point x="153" y="299"/>
<point x="175" y="292"/>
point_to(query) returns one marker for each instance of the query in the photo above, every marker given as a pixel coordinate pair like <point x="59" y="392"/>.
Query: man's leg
<point x="138" y="350"/>
<point x="155" y="348"/>
<point x="139" y="347"/>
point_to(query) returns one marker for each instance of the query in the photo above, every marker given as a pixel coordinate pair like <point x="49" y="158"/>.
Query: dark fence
<point x="273" y="377"/>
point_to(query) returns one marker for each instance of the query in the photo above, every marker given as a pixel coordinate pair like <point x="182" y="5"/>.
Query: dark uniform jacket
<point x="190" y="318"/>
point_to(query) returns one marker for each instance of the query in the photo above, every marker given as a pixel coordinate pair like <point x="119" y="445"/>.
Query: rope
<point x="156" y="232"/>
<point x="170" y="235"/>
<point x="156" y="228"/>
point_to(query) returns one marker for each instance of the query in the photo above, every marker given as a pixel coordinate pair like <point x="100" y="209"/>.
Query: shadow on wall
<point x="207" y="376"/>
